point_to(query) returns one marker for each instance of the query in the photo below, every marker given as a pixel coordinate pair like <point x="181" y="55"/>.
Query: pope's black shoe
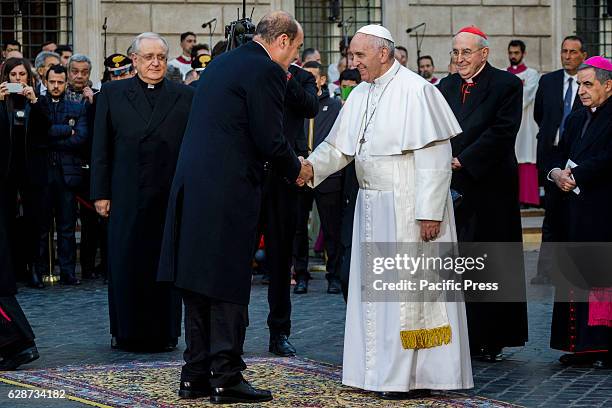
<point x="191" y="390"/>
<point x="301" y="287"/>
<point x="23" y="357"/>
<point x="241" y="392"/>
<point x="396" y="396"/>
<point x="280" y="346"/>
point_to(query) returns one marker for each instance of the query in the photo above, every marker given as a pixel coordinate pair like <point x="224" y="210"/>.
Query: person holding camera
<point x="24" y="123"/>
<point x="17" y="99"/>
<point x="56" y="199"/>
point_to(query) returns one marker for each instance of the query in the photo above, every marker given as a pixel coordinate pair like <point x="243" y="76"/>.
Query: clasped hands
<point x="563" y="179"/>
<point x="306" y="173"/>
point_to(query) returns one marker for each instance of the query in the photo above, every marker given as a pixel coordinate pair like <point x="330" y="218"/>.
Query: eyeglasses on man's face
<point x="466" y="53"/>
<point x="162" y="58"/>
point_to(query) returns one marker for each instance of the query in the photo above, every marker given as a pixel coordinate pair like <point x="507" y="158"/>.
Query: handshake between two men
<point x="430" y="229"/>
<point x="306" y="173"/>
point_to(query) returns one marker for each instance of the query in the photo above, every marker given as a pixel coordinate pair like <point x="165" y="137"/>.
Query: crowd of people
<point x="176" y="169"/>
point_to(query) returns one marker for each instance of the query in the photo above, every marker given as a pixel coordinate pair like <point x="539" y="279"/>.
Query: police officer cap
<point x="200" y="62"/>
<point x="117" y="61"/>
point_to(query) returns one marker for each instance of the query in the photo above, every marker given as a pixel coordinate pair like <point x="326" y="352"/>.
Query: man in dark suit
<point x="279" y="210"/>
<point x="138" y="130"/>
<point x="235" y="126"/>
<point x="581" y="171"/>
<point x="555" y="99"/>
<point x="488" y="104"/>
<point x="67" y="134"/>
<point x="328" y="195"/>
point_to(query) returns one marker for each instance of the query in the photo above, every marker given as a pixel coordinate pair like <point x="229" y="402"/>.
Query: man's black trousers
<point x="214" y="333"/>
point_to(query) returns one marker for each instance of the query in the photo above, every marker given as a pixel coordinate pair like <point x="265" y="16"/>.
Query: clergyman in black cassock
<point x="489" y="108"/>
<point x="138" y="131"/>
<point x="235" y="126"/>
<point x="585" y="216"/>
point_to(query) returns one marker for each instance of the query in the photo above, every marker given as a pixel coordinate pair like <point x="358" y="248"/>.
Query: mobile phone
<point x="14" y="87"/>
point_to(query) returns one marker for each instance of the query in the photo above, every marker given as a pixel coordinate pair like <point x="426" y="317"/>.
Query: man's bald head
<point x="275" y="24"/>
<point x="282" y="36"/>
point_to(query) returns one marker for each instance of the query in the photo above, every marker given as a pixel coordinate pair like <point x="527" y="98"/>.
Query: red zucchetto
<point x="473" y="30"/>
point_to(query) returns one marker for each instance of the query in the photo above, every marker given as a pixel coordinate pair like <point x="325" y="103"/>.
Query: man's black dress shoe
<point x="241" y="392"/>
<point x="36" y="281"/>
<point x="301" y="287"/>
<point x="115" y="343"/>
<point x="23" y="357"/>
<point x="579" y="358"/>
<point x="70" y="280"/>
<point x="280" y="346"/>
<point x="396" y="396"/>
<point x="603" y="363"/>
<point x="192" y="390"/>
<point x="334" y="287"/>
<point x="491" y="354"/>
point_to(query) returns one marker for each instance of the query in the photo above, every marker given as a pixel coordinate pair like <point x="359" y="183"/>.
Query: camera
<point x="241" y="31"/>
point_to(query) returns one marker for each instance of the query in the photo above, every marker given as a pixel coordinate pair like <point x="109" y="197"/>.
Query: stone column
<point x="563" y="24"/>
<point x="87" y="34"/>
<point x="394" y="18"/>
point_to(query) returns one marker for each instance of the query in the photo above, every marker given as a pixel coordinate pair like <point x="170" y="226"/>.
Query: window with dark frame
<point x="324" y="24"/>
<point x="594" y="25"/>
<point x="34" y="22"/>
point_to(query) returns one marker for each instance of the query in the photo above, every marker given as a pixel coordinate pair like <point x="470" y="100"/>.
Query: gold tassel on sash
<point x="426" y="338"/>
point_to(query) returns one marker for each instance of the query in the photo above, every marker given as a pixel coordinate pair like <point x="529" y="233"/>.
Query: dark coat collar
<point x="139" y="102"/>
<point x="600" y="126"/>
<point x="478" y="93"/>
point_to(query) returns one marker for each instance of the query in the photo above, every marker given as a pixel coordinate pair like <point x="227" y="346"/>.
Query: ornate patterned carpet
<point x="298" y="383"/>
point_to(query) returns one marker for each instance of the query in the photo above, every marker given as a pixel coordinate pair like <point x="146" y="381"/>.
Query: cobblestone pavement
<point x="71" y="326"/>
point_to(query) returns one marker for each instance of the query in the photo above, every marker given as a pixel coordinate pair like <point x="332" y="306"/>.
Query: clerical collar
<point x="595" y="111"/>
<point x="265" y="49"/>
<point x="473" y="77"/>
<point x="387" y="76"/>
<point x="146" y="85"/>
<point x="517" y="69"/>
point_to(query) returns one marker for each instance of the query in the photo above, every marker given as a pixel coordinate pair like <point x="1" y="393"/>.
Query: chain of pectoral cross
<point x="369" y="121"/>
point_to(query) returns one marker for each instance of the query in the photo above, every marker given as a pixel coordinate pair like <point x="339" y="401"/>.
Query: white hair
<point x="481" y="41"/>
<point x="380" y="43"/>
<point x="135" y="46"/>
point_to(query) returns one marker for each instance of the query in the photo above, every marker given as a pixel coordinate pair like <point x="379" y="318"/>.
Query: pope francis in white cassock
<point x="397" y="127"/>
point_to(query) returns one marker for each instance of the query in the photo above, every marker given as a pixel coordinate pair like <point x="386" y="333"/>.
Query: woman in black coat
<point x="17" y="345"/>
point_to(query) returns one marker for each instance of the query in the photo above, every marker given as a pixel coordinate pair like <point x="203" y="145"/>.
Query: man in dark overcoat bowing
<point x="236" y="125"/>
<point x="138" y="131"/>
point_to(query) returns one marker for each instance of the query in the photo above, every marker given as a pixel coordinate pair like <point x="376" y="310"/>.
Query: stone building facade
<point x="540" y="23"/>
